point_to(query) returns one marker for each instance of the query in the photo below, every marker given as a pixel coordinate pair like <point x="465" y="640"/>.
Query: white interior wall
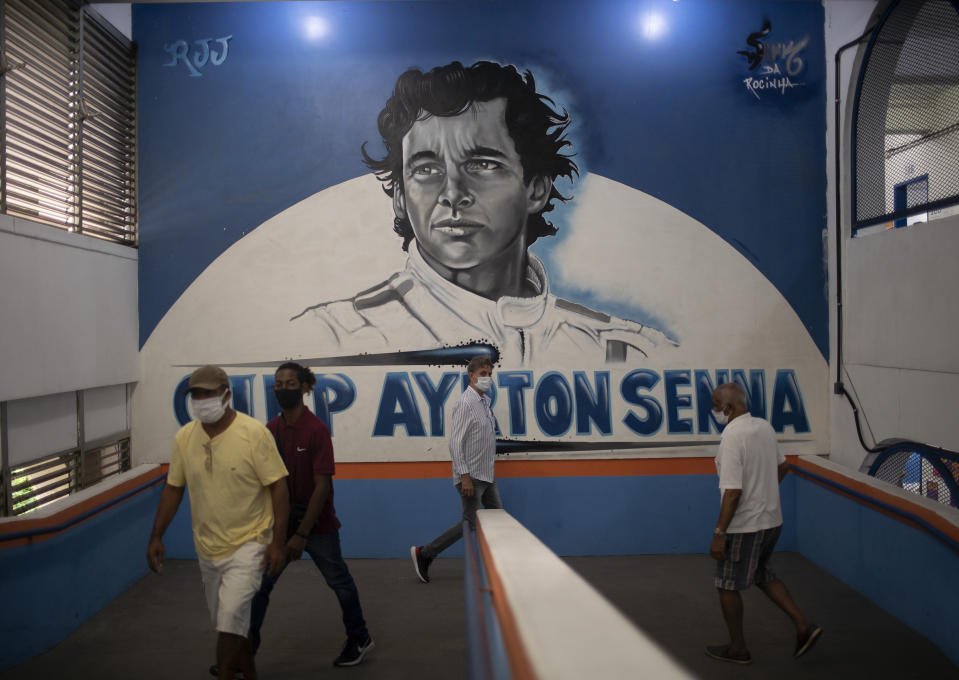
<point x="41" y="426"/>
<point x="902" y="319"/>
<point x="68" y="310"/>
<point x="900" y="314"/>
<point x="105" y="412"/>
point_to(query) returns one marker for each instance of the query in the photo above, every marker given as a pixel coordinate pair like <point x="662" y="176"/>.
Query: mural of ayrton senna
<point x="472" y="159"/>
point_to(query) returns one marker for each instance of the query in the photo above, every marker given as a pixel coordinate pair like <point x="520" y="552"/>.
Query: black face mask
<point x="288" y="399"/>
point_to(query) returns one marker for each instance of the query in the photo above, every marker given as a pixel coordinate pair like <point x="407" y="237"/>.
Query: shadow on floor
<point x="671" y="598"/>
<point x="159" y="628"/>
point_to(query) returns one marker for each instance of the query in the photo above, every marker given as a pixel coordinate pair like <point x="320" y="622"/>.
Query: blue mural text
<point x="674" y="402"/>
<point x="333" y="393"/>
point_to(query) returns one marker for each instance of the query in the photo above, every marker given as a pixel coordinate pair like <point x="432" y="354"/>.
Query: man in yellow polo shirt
<point x="238" y="495"/>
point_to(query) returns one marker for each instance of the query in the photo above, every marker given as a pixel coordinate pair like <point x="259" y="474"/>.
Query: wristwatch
<point x="718" y="532"/>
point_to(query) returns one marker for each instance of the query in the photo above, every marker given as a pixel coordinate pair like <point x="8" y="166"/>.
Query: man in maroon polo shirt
<point x="305" y="444"/>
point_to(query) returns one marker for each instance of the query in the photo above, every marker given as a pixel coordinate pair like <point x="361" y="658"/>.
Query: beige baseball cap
<point x="208" y="378"/>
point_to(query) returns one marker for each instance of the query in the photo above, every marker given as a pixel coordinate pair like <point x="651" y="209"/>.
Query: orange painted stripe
<point x="584" y="467"/>
<point x="927" y="515"/>
<point x="414" y="470"/>
<point x="67" y="514"/>
<point x="520" y="665"/>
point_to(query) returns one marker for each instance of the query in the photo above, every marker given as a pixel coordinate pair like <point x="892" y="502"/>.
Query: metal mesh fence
<point x="906" y="127"/>
<point x="926" y="472"/>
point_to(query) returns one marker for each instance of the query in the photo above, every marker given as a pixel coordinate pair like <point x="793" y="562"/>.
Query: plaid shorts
<point x="747" y="560"/>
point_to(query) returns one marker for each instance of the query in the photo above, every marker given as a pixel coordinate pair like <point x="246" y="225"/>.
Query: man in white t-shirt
<point x="750" y="468"/>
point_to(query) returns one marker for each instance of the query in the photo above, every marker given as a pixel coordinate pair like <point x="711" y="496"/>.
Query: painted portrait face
<point x="463" y="187"/>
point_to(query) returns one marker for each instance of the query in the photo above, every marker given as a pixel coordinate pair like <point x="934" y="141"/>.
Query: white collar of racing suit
<point x="516" y="312"/>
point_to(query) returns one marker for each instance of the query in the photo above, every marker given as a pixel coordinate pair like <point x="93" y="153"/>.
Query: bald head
<point x="730" y="398"/>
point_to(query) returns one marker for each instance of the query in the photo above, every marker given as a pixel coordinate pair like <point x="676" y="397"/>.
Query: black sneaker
<point x="353" y="652"/>
<point x="805" y="643"/>
<point x="721" y="652"/>
<point x="420" y="564"/>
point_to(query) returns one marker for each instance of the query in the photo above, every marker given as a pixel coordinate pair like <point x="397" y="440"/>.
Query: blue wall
<point x="51" y="587"/>
<point x="571" y="515"/>
<point x="907" y="572"/>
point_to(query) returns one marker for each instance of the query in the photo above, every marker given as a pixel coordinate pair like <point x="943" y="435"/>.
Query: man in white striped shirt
<point x="472" y="449"/>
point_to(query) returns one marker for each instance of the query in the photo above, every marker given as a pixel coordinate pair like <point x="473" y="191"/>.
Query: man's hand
<point x="466" y="486"/>
<point x="727" y="510"/>
<point x="717" y="547"/>
<point x="275" y="559"/>
<point x="295" y="547"/>
<point x="170" y="499"/>
<point x="155" y="554"/>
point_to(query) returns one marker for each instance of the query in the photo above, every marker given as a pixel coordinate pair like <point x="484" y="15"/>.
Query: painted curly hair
<point x="536" y="128"/>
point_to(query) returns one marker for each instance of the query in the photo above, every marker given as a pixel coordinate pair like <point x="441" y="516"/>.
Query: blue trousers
<point x="324" y="549"/>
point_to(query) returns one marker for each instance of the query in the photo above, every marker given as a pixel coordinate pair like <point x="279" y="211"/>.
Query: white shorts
<point x="230" y="584"/>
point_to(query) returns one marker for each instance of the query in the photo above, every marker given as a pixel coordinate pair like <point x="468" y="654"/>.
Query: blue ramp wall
<point x="627" y="515"/>
<point x="907" y="572"/>
<point x="50" y="588"/>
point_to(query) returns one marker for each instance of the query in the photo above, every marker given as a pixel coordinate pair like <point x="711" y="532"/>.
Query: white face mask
<point x="484" y="384"/>
<point x="209" y="410"/>
<point x="720" y="417"/>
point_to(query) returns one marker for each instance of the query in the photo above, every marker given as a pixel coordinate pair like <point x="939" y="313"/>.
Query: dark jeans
<point x="483" y="492"/>
<point x="325" y="551"/>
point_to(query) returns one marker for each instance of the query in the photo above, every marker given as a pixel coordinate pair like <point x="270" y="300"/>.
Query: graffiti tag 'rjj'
<point x="202" y="55"/>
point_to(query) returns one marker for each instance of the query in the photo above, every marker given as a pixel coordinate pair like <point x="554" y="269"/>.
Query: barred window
<point x="906" y="124"/>
<point x="68" y="119"/>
